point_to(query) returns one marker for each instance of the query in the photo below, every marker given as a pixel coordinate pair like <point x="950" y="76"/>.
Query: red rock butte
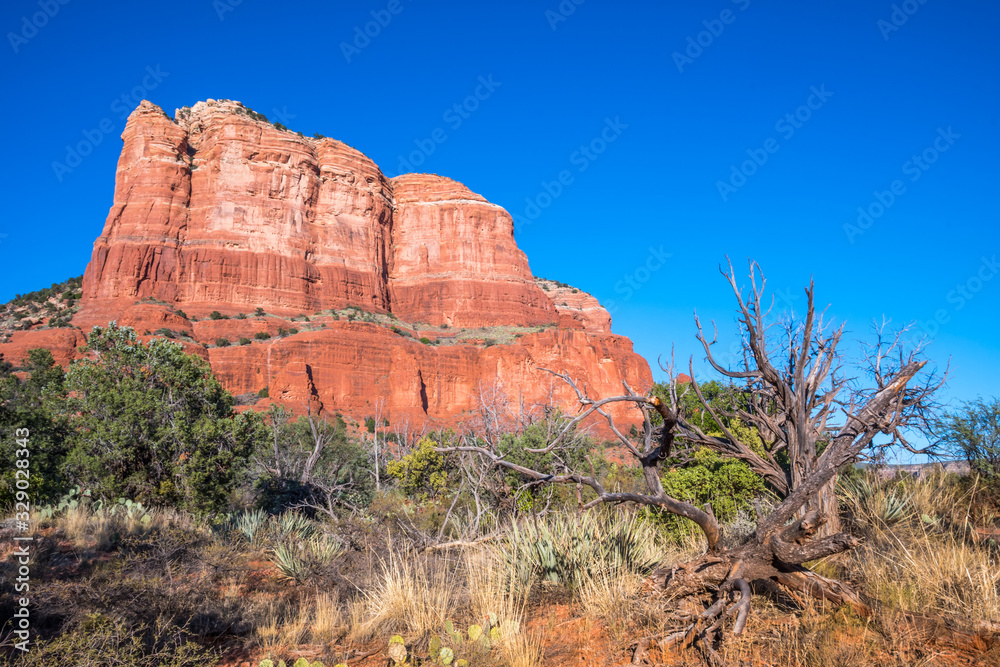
<point x="218" y="210"/>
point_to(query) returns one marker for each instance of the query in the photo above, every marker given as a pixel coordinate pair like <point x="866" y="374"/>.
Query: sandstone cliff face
<point x="218" y="210"/>
<point x="454" y="259"/>
<point x="576" y="308"/>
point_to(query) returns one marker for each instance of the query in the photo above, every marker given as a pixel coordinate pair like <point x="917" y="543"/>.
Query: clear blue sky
<point x="679" y="123"/>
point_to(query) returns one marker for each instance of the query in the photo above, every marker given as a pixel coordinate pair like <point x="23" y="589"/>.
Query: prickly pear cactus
<point x="461" y="662"/>
<point x="266" y="663"/>
<point x="301" y="662"/>
<point x="455" y="635"/>
<point x="475" y="632"/>
<point x="495" y="634"/>
<point x="446" y="656"/>
<point x="397" y="649"/>
<point x="434" y="647"/>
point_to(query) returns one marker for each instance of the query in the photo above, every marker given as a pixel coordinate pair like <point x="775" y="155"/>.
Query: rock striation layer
<point x="218" y="210"/>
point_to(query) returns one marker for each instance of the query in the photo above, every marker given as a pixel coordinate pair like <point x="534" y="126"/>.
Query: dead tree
<point x="794" y="394"/>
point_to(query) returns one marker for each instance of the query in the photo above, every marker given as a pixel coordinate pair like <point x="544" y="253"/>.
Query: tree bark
<point x="825" y="504"/>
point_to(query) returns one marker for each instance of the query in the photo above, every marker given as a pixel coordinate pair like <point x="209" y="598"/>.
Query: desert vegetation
<point x="744" y="520"/>
<point x="51" y="307"/>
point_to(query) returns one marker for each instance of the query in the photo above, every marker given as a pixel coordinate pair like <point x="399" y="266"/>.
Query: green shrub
<point x="245" y="341"/>
<point x="259" y="312"/>
<point x="263" y="393"/>
<point x="216" y="315"/>
<point x="165" y="332"/>
<point x="973" y="433"/>
<point x="421" y="473"/>
<point x="153" y="424"/>
<point x="38" y="404"/>
<point x="728" y="484"/>
<point x="262" y="335"/>
<point x="222" y="342"/>
<point x="425" y="340"/>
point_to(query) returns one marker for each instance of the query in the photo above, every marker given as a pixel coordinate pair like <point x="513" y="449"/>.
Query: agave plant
<point x="567" y="550"/>
<point x="288" y="559"/>
<point x="250" y="525"/>
<point x="292" y="525"/>
<point x="877" y="503"/>
<point x="323" y="549"/>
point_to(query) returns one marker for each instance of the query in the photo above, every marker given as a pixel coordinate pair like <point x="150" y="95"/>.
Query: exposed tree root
<point x="725" y="576"/>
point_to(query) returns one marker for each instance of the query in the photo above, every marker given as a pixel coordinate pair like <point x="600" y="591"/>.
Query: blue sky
<point x="648" y="112"/>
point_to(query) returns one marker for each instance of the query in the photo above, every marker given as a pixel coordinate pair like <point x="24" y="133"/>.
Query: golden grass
<point x="925" y="561"/>
<point x="932" y="574"/>
<point x="98" y="529"/>
<point x="412" y="595"/>
<point x="327" y="619"/>
<point x="920" y="557"/>
<point x="496" y="589"/>
<point x="86" y="529"/>
<point x="613" y="599"/>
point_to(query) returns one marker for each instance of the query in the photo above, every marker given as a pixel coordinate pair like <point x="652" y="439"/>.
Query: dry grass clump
<point x="100" y="529"/>
<point x="931" y="573"/>
<point x="815" y="637"/>
<point x="496" y="589"/>
<point x="412" y="595"/>
<point x="327" y="619"/>
<point x="920" y="554"/>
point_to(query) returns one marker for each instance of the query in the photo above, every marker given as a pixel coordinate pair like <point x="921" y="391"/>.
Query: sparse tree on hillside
<point x="807" y="416"/>
<point x="973" y="433"/>
<point x="311" y="463"/>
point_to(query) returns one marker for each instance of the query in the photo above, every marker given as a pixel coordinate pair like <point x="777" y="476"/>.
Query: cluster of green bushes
<point x="151" y="423"/>
<point x="70" y="289"/>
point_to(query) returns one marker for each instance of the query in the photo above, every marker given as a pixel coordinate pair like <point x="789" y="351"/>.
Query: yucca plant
<point x="288" y="559"/>
<point x="250" y="526"/>
<point x="292" y="525"/>
<point x="568" y="549"/>
<point x="877" y="503"/>
<point x="324" y="548"/>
